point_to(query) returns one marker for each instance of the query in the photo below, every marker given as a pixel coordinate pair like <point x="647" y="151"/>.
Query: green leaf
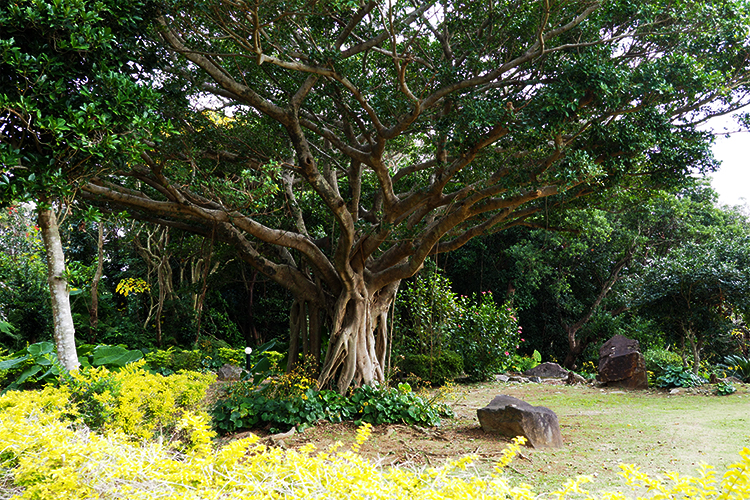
<point x="114" y="356"/>
<point x="29" y="372"/>
<point x="10" y="363"/>
<point x="41" y="348"/>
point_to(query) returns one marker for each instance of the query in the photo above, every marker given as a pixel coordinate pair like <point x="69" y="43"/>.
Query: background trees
<point x="697" y="292"/>
<point x="362" y="140"/>
<point x="671" y="264"/>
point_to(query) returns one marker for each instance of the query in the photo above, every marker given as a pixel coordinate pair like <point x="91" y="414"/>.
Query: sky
<point x="732" y="180"/>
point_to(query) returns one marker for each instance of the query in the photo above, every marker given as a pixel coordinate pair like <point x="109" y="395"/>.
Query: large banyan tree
<point x="351" y="141"/>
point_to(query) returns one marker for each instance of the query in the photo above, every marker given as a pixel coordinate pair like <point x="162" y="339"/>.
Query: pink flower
<point x="507" y="353"/>
<point x="522" y="340"/>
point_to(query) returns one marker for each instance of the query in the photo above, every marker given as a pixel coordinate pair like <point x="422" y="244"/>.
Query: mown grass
<point x="659" y="432"/>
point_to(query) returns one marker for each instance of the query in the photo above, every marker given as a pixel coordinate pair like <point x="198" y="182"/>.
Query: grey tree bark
<point x="64" y="331"/>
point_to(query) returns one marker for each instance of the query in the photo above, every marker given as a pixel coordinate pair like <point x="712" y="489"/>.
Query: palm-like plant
<point x="738" y="366"/>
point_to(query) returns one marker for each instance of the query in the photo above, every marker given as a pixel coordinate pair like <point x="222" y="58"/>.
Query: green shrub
<point x="447" y="366"/>
<point x="235" y="357"/>
<point x="486" y="336"/>
<point x="520" y="364"/>
<point x="208" y="348"/>
<point x="134" y="401"/>
<point x="384" y="405"/>
<point x="657" y="360"/>
<point x="171" y="360"/>
<point x="111" y="356"/>
<point x="678" y="376"/>
<point x="725" y="389"/>
<point x="738" y="366"/>
<point x="427" y="313"/>
<point x="282" y="406"/>
<point x="35" y="365"/>
<point x="187" y="360"/>
<point x="433" y="319"/>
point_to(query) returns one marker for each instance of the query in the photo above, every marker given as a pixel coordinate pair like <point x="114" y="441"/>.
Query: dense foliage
<point x="440" y="335"/>
<point x="335" y="168"/>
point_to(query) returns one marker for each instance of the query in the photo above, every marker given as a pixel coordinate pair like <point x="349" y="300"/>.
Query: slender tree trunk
<point x="304" y="333"/>
<point x="250" y="331"/>
<point x="297" y="331"/>
<point x="94" y="312"/>
<point x="575" y="345"/>
<point x="156" y="254"/>
<point x="695" y="349"/>
<point x="204" y="287"/>
<point x="62" y="316"/>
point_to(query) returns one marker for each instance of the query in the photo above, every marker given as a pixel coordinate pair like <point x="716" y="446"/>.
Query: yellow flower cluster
<point x="140" y="402"/>
<point x="510" y="453"/>
<point x="132" y="285"/>
<point x="45" y="457"/>
<point x="363" y="434"/>
<point x="294" y="383"/>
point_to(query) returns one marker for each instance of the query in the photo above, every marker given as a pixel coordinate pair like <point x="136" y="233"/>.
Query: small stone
<point x="574" y="379"/>
<point x="502" y="378"/>
<point x="229" y="372"/>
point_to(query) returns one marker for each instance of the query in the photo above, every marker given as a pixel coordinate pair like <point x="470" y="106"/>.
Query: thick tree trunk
<point x="358" y="346"/>
<point x="61" y="314"/>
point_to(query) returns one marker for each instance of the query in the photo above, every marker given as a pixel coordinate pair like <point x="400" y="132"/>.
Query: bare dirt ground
<point x="601" y="429"/>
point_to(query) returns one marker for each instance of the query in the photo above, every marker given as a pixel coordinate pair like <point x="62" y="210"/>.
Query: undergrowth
<point x="47" y="456"/>
<point x="291" y="400"/>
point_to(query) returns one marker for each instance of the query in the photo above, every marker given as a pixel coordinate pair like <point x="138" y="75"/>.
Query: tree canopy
<point x="71" y="107"/>
<point x="351" y="141"/>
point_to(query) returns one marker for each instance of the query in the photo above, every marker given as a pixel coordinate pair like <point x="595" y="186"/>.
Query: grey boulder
<point x="512" y="417"/>
<point x="547" y="370"/>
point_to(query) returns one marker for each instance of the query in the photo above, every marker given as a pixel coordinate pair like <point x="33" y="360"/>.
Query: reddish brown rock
<point x="621" y="364"/>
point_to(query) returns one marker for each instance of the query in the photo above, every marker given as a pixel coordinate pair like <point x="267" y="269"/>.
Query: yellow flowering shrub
<point x="134" y="401"/>
<point x="45" y="456"/>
